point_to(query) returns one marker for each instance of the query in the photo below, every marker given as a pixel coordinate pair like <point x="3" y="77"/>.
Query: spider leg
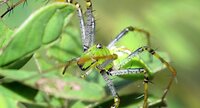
<point x="135" y="71"/>
<point x="152" y="52"/>
<point x="12" y="7"/>
<point x="111" y="88"/>
<point x="7" y="11"/>
<point x="90" y="23"/>
<point x="125" y="31"/>
<point x="87" y="27"/>
<point x="69" y="1"/>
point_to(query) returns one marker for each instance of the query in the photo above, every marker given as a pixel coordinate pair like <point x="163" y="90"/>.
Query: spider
<point x="101" y="57"/>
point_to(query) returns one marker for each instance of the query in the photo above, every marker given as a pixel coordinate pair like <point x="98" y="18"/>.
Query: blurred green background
<point x="174" y="26"/>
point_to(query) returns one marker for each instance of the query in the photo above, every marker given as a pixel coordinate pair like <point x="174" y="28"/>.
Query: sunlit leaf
<point x="7" y="102"/>
<point x="42" y="27"/>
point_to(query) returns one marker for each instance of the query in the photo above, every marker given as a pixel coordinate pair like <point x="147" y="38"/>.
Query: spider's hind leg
<point x="153" y="53"/>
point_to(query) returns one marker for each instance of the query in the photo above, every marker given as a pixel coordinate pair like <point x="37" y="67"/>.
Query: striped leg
<point x="90" y="23"/>
<point x="87" y="26"/>
<point x="69" y="1"/>
<point x="135" y="71"/>
<point x="112" y="89"/>
<point x="152" y="52"/>
<point x="82" y="27"/>
<point x="125" y="31"/>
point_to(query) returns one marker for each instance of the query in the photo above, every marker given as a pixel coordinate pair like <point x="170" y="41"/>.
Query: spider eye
<point x="99" y="46"/>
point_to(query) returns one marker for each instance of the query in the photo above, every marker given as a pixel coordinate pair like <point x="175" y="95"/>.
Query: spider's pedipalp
<point x="70" y="62"/>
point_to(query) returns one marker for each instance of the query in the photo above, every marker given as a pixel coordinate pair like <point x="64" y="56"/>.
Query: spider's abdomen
<point x="95" y="56"/>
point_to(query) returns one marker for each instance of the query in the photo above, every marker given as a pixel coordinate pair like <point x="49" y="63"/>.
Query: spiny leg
<point x="82" y="26"/>
<point x="152" y="52"/>
<point x="135" y="71"/>
<point x="90" y="23"/>
<point x="125" y="31"/>
<point x="112" y="89"/>
<point x="12" y="7"/>
<point x="88" y="27"/>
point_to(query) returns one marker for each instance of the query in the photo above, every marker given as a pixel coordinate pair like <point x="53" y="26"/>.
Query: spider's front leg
<point x="87" y="26"/>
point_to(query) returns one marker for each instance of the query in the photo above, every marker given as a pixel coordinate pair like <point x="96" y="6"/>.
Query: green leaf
<point x="12" y="95"/>
<point x="4" y="35"/>
<point x="64" y="87"/>
<point x="78" y="104"/>
<point x="42" y="27"/>
<point x="19" y="63"/>
<point x="154" y="64"/>
<point x="7" y="102"/>
<point x="134" y="100"/>
<point x="13" y="91"/>
<point x="63" y="50"/>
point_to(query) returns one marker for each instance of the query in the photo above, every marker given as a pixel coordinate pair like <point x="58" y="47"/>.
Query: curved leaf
<point x="42" y="27"/>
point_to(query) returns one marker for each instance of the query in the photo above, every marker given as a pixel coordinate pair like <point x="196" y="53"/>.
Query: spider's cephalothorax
<point x="100" y="57"/>
<point x="96" y="56"/>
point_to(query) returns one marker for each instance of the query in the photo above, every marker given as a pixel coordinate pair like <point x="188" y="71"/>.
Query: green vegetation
<point x="31" y="73"/>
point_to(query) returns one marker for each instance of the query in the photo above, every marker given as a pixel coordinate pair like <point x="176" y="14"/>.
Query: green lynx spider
<point x="99" y="56"/>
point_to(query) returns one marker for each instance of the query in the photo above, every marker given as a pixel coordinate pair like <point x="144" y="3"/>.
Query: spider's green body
<point x="95" y="56"/>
